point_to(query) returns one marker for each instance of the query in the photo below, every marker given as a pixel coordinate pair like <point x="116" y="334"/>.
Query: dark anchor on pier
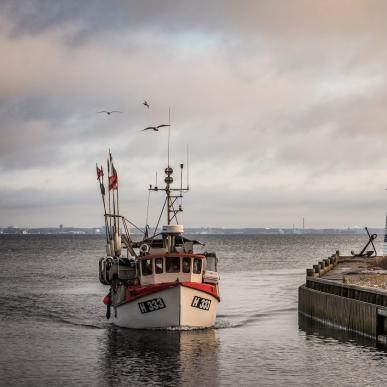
<point x="369" y="253"/>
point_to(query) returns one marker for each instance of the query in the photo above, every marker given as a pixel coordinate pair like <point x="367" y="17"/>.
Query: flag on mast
<point x="113" y="182"/>
<point x="113" y="179"/>
<point x="99" y="172"/>
<point x="100" y="175"/>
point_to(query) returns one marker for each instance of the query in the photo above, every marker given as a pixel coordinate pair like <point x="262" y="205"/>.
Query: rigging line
<point x="174" y="212"/>
<point x="108" y="186"/>
<point x="175" y="199"/>
<point x="127" y="220"/>
<point x="132" y="224"/>
<point x="112" y="169"/>
<point x="162" y="210"/>
<point x="175" y="216"/>
<point x="128" y="239"/>
<point x="118" y="208"/>
<point x="114" y="212"/>
<point x="152" y="237"/>
<point x="102" y="188"/>
<point x="181" y="210"/>
<point x="106" y="221"/>
<point x="118" y="213"/>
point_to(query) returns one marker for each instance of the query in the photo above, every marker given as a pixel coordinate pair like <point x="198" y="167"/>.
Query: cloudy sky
<point x="283" y="105"/>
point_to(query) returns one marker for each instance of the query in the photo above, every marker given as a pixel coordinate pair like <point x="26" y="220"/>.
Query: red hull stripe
<point x="136" y="292"/>
<point x="206" y="288"/>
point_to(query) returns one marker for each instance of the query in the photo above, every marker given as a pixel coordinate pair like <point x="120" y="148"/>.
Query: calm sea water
<point x="53" y="330"/>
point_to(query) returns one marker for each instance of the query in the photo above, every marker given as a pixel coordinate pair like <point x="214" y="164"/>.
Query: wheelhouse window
<point x="211" y="262"/>
<point x="186" y="264"/>
<point x="197" y="266"/>
<point x="159" y="265"/>
<point x="146" y="267"/>
<point x="172" y="264"/>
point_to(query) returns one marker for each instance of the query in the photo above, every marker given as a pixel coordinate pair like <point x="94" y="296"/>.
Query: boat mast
<point x="169" y="180"/>
<point x="168" y="172"/>
<point x="171" y="196"/>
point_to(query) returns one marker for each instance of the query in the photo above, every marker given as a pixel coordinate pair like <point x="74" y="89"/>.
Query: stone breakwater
<point x="349" y="293"/>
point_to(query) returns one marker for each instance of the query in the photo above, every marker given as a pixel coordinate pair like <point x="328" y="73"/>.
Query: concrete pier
<point x="349" y="293"/>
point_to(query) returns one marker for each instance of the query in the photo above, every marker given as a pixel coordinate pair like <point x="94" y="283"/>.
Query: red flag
<point x="99" y="172"/>
<point x="113" y="182"/>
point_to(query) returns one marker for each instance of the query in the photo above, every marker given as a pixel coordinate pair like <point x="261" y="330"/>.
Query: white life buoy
<point x="144" y="248"/>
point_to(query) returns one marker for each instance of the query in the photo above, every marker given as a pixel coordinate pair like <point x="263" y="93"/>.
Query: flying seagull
<point x="155" y="128"/>
<point x="109" y="112"/>
<point x="145" y="103"/>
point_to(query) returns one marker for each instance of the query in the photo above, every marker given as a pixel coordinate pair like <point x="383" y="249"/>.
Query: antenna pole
<point x="170" y="193"/>
<point x="147" y="211"/>
<point x="168" y="179"/>
<point x="187" y="167"/>
<point x="169" y="130"/>
<point x="181" y="179"/>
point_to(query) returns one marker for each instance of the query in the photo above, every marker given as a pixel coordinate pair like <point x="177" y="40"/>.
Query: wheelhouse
<point x="156" y="269"/>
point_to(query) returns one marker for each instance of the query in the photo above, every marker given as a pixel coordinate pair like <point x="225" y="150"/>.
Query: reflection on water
<point x="159" y="358"/>
<point x="318" y="331"/>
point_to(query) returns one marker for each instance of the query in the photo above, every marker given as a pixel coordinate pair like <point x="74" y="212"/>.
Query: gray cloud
<point x="320" y="17"/>
<point x="282" y="105"/>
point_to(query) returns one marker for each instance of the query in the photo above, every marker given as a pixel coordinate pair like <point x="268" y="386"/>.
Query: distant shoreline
<point x="194" y="231"/>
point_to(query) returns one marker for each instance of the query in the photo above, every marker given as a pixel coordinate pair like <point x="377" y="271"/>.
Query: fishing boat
<point x="158" y="281"/>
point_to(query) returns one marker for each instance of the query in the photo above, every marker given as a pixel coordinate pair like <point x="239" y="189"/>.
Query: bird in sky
<point x="145" y="103"/>
<point x="109" y="112"/>
<point x="155" y="128"/>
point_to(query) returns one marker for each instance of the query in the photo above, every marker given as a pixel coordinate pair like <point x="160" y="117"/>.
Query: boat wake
<point x="39" y="309"/>
<point x="224" y="321"/>
<point x="76" y="323"/>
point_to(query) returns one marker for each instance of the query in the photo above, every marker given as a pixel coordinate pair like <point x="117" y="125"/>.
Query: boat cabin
<point x="171" y="267"/>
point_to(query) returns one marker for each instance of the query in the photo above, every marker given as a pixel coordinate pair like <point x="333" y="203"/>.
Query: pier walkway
<point x="348" y="292"/>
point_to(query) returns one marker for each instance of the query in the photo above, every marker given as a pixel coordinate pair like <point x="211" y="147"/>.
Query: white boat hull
<point x="179" y="306"/>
